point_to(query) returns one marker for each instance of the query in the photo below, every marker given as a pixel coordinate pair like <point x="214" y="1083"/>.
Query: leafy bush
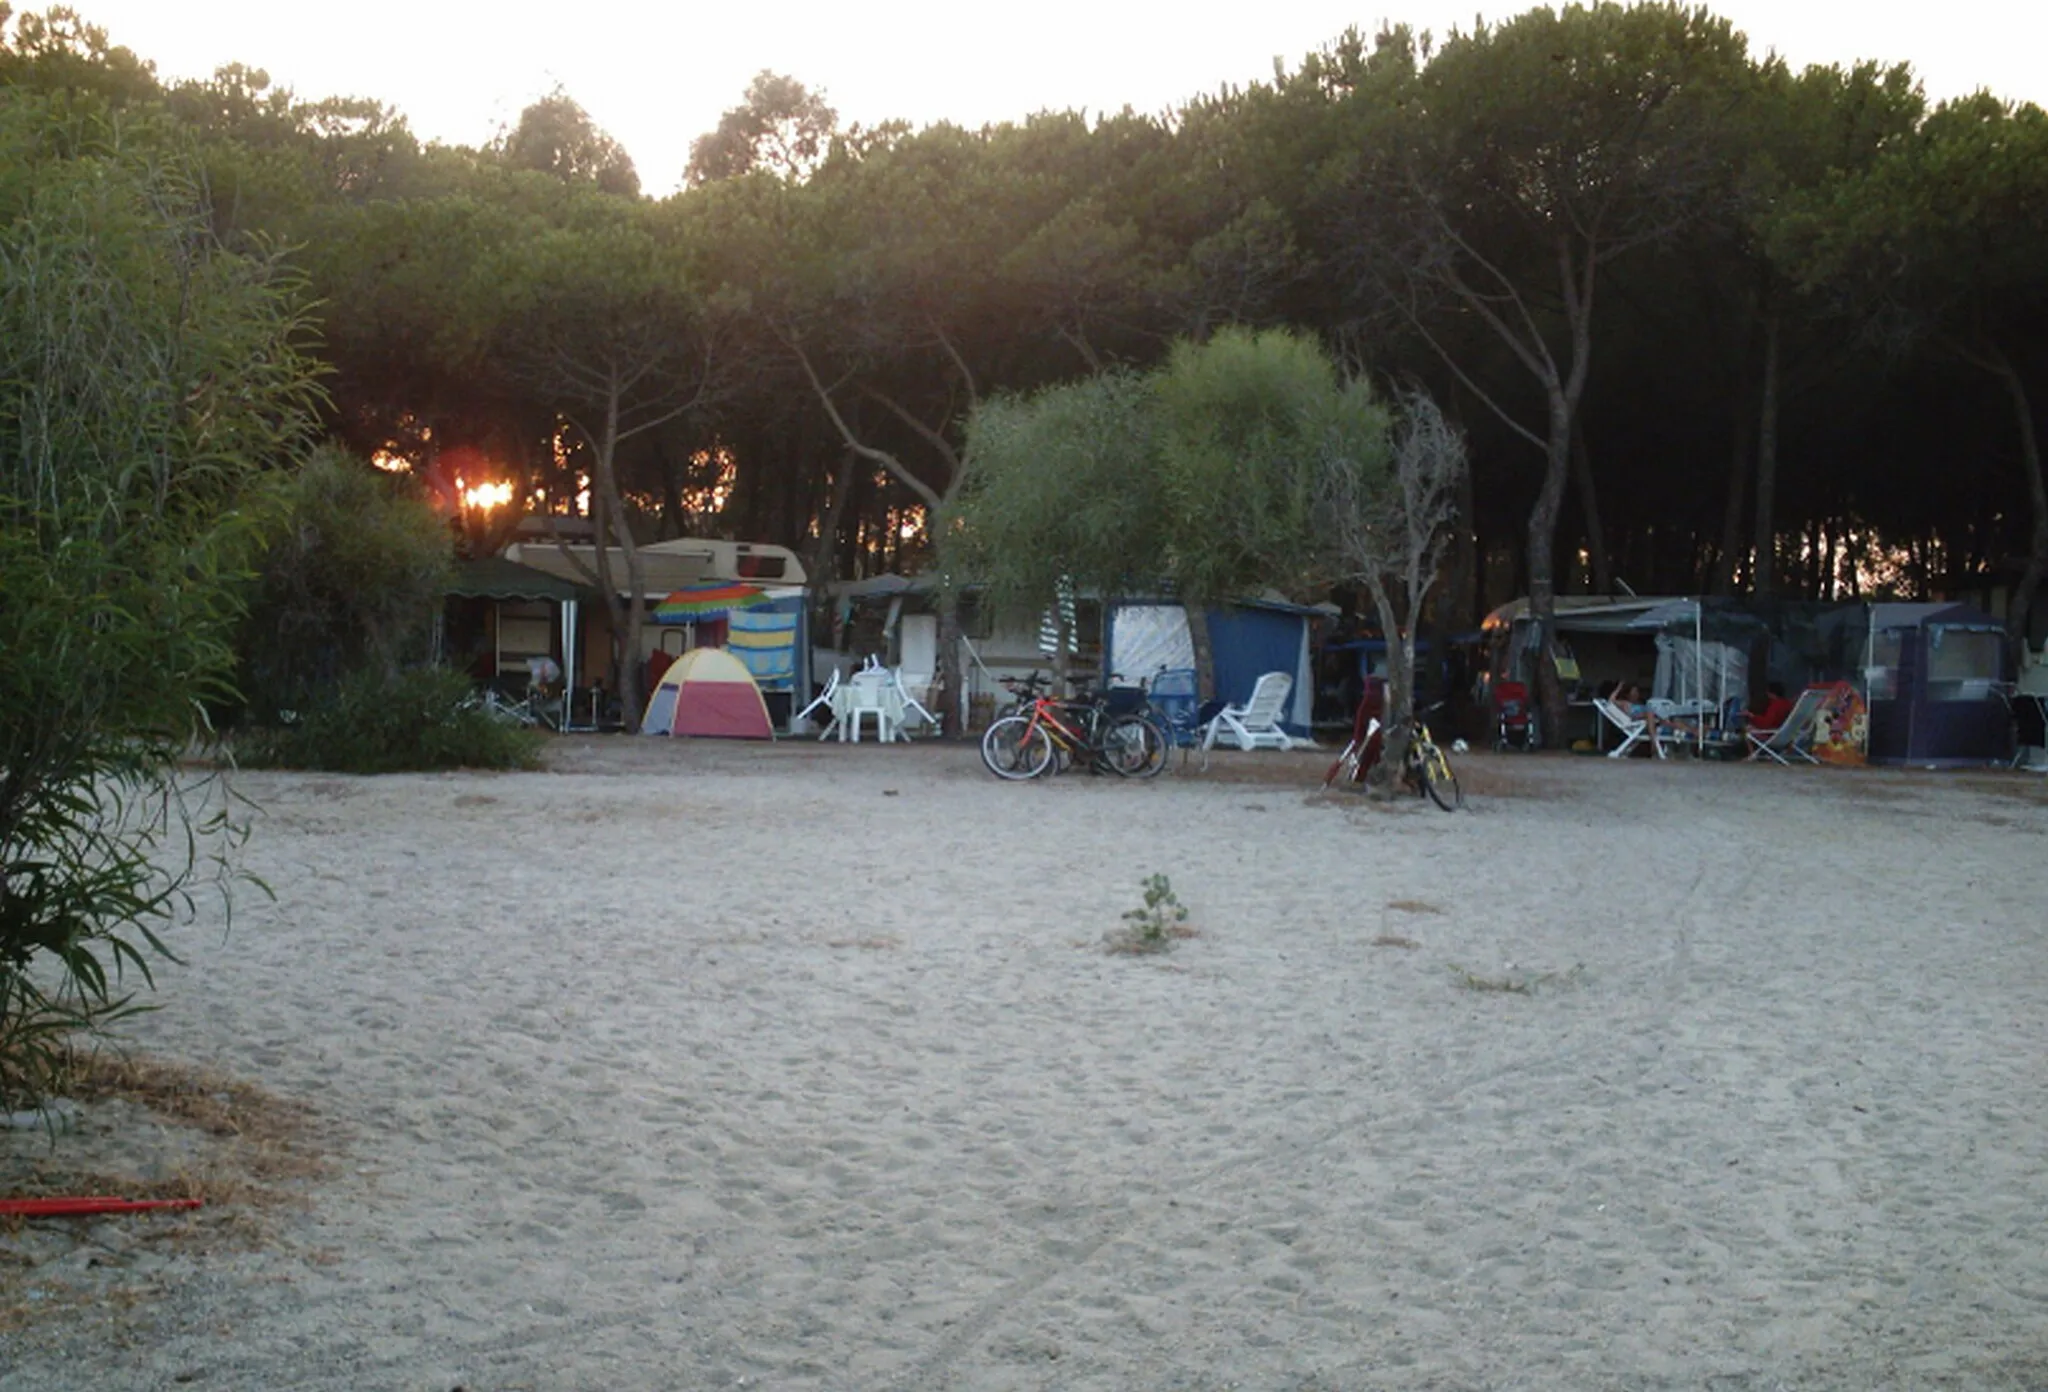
<point x="149" y="379"/>
<point x="351" y="579"/>
<point x="393" y="723"/>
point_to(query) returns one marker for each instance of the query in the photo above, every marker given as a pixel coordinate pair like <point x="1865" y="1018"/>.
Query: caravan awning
<point x="494" y="577"/>
<point x="1582" y="613"/>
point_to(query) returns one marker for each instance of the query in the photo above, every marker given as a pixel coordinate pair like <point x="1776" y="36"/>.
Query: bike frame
<point x="1046" y="712"/>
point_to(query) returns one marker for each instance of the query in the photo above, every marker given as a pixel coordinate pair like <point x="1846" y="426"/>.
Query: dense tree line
<point x="1709" y="324"/>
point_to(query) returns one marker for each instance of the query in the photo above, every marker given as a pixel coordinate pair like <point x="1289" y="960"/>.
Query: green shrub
<point x="416" y="720"/>
<point x="150" y="379"/>
<point x="351" y="579"/>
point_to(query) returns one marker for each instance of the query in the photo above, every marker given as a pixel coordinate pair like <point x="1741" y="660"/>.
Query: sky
<point x="656" y="74"/>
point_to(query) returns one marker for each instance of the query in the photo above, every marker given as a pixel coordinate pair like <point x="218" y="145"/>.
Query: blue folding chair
<point x="1173" y="698"/>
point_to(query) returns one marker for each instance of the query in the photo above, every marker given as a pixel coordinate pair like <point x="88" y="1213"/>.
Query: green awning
<point x="494" y="577"/>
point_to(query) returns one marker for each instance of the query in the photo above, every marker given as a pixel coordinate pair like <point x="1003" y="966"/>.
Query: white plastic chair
<point x="823" y="698"/>
<point x="910" y="703"/>
<point x="1256" y="723"/>
<point x="869" y="691"/>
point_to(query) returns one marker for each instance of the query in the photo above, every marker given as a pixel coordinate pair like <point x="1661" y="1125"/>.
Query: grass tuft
<point x="1513" y="982"/>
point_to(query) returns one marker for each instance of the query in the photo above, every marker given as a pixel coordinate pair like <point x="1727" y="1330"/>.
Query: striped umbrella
<point x="696" y="603"/>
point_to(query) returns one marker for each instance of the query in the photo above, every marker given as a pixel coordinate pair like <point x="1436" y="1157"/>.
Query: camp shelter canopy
<point x="666" y="566"/>
<point x="1702" y="653"/>
<point x="503" y="581"/>
<point x="884" y="586"/>
<point x="1793" y="642"/>
<point x="1579" y="613"/>
<point x="494" y="577"/>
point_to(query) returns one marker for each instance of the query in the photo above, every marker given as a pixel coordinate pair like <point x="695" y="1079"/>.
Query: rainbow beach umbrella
<point x="697" y="603"/>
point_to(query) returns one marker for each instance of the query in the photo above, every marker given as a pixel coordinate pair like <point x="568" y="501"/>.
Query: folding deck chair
<point x="1635" y="729"/>
<point x="1793" y="734"/>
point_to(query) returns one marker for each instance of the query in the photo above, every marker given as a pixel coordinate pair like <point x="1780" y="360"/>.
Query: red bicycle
<point x="1045" y="733"/>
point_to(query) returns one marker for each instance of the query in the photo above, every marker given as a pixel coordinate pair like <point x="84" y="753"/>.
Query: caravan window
<point x="526" y="628"/>
<point x="1962" y="664"/>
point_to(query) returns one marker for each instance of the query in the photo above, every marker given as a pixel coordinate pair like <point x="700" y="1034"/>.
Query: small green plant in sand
<point x="1514" y="981"/>
<point x="1154" y="927"/>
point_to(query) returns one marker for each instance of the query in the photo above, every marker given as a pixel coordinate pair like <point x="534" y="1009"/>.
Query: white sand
<point x="695" y="1066"/>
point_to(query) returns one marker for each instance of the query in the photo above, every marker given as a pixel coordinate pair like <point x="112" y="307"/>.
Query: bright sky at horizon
<point x="656" y="74"/>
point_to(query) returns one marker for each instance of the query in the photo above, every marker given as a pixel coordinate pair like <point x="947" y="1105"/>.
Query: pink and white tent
<point x="707" y="692"/>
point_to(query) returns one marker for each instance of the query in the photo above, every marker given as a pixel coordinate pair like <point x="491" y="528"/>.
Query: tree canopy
<point x="1204" y="478"/>
<point x="1705" y="322"/>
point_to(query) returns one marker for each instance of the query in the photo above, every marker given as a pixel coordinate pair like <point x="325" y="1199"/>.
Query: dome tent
<point x="707" y="692"/>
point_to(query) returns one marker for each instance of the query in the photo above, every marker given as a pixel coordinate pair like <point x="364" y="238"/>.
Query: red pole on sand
<point x="81" y="1207"/>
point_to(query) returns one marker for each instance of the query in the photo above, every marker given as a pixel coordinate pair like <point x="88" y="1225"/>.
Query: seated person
<point x="1772" y="714"/>
<point x="1629" y="697"/>
<point x="542" y="674"/>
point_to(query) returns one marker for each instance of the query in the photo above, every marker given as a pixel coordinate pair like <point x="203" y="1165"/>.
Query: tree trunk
<point x="607" y="587"/>
<point x="1729" y="562"/>
<point x="2021" y="607"/>
<point x="1564" y="392"/>
<point x="1589" y="508"/>
<point x="629" y="612"/>
<point x="1764" y="567"/>
<point x="825" y="548"/>
<point x="1542" y="567"/>
<point x="1205" y="653"/>
<point x="952" y="714"/>
<point x="1462" y="600"/>
<point x="1383" y="780"/>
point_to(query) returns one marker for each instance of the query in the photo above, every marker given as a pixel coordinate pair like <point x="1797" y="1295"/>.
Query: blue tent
<point x="1143" y="636"/>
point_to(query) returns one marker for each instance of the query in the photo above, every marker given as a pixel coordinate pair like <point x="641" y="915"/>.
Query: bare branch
<point x="935" y="438"/>
<point x="895" y="467"/>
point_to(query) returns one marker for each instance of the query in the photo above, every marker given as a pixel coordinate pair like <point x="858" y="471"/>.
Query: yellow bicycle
<point x="1427" y="769"/>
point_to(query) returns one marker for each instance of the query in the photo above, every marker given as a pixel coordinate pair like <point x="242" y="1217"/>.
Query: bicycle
<point x="1425" y="769"/>
<point x="1047" y="732"/>
<point x="1134" y="702"/>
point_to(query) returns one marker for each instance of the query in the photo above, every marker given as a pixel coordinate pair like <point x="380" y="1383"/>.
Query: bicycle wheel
<point x="1134" y="747"/>
<point x="1439" y="781"/>
<point x="1015" y="748"/>
<point x="1158" y="746"/>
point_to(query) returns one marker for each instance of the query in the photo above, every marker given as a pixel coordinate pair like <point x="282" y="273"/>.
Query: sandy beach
<point x="686" y="1065"/>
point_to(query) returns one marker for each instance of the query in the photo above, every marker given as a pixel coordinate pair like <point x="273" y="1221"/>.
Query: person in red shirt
<point x="1773" y="712"/>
